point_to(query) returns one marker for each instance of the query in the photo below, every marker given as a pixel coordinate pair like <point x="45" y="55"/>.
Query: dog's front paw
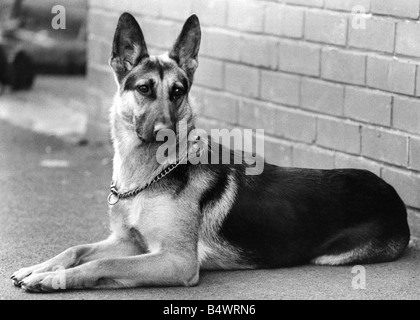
<point x="23" y="273"/>
<point x="44" y="282"/>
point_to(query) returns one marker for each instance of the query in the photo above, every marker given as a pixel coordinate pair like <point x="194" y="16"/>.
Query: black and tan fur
<point x="214" y="216"/>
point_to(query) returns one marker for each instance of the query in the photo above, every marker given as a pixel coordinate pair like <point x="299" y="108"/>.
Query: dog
<point x="212" y="216"/>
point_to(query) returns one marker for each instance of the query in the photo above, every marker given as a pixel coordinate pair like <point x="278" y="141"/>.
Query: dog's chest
<point x="149" y="217"/>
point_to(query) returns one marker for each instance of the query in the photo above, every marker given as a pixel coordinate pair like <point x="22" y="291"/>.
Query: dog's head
<point x="153" y="90"/>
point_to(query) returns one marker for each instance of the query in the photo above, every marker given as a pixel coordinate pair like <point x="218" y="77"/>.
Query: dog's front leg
<point x="151" y="269"/>
<point x="74" y="256"/>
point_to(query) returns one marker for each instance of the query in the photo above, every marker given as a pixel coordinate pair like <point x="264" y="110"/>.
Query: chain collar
<point x="115" y="196"/>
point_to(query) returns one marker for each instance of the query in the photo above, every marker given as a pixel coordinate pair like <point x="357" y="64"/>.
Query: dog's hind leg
<point x="74" y="256"/>
<point x="372" y="252"/>
<point x="364" y="244"/>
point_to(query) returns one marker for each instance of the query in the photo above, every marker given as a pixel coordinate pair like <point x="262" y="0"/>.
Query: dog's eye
<point x="178" y="92"/>
<point x="143" y="89"/>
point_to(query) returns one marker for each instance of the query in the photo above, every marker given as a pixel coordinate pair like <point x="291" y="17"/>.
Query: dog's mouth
<point x="148" y="135"/>
<point x="144" y="137"/>
<point x="144" y="134"/>
<point x="141" y="138"/>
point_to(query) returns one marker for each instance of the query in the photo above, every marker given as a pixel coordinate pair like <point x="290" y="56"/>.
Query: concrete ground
<point x="53" y="195"/>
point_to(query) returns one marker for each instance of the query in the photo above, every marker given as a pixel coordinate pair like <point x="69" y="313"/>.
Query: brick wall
<point x="327" y="94"/>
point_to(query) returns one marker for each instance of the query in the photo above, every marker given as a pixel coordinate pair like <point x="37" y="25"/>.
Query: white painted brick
<point x="368" y="105"/>
<point x="321" y="26"/>
<point x="246" y="15"/>
<point x="378" y="35"/>
<point x="259" y="51"/>
<point x="408" y="35"/>
<point x="210" y="73"/>
<point x="300" y="58"/>
<point x="343" y="66"/>
<point x="405" y="8"/>
<point x="284" y="20"/>
<point x="390" y="75"/>
<point x="312" y="157"/>
<point x="384" y="146"/>
<point x="295" y="125"/>
<point x="280" y="87"/>
<point x="338" y="135"/>
<point x="321" y="96"/>
<point x="242" y="80"/>
<point x="406" y="114"/>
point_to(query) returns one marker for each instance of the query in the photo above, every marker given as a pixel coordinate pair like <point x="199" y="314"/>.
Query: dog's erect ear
<point x="129" y="47"/>
<point x="185" y="49"/>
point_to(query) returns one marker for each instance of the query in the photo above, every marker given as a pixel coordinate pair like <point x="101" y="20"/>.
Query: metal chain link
<point x="117" y="195"/>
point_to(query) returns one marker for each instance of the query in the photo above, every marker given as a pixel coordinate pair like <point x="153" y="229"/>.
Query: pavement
<point x="55" y="106"/>
<point x="53" y="196"/>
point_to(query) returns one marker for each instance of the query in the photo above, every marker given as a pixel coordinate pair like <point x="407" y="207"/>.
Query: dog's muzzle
<point x="147" y="137"/>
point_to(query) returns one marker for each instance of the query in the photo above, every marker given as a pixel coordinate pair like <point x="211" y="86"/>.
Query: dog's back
<point x="290" y="216"/>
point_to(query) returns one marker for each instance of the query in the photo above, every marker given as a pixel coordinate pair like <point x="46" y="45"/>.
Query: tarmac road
<point x="47" y="206"/>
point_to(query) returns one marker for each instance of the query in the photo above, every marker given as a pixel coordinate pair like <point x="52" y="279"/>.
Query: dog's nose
<point x="159" y="126"/>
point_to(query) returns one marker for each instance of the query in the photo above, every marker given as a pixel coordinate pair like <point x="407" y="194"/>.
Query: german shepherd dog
<point x="212" y="216"/>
